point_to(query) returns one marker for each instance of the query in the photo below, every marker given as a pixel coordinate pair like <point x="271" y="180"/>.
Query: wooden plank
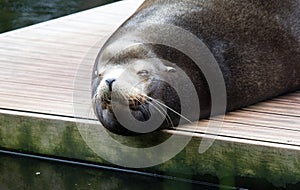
<point x="248" y="131"/>
<point x="292" y="97"/>
<point x="266" y="120"/>
<point x="13" y="44"/>
<point x="276" y="107"/>
<point x="40" y="64"/>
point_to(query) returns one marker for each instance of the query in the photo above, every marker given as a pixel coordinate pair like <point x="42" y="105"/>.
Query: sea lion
<point x="256" y="45"/>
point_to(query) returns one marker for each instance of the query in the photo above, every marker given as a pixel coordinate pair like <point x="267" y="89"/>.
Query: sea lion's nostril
<point x="109" y="83"/>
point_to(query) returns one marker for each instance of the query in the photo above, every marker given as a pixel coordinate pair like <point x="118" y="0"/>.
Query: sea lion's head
<point x="133" y="80"/>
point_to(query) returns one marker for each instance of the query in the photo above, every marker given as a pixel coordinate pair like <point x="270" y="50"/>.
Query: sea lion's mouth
<point x="139" y="108"/>
<point x="134" y="104"/>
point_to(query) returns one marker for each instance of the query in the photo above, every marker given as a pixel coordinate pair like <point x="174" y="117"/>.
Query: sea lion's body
<point x="255" y="43"/>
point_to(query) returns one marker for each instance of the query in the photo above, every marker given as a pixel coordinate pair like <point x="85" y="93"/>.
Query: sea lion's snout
<point x="109" y="83"/>
<point x="119" y="89"/>
<point x="131" y="89"/>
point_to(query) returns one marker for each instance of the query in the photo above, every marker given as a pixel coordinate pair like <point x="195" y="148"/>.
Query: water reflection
<point x="28" y="173"/>
<point x="19" y="13"/>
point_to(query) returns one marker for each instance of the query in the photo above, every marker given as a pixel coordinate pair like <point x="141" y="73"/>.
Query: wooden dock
<point x="45" y="91"/>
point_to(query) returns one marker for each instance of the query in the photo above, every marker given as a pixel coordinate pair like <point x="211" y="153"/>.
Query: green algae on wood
<point x="42" y="136"/>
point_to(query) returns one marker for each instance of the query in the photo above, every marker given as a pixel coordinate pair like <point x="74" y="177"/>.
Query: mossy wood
<point x="226" y="162"/>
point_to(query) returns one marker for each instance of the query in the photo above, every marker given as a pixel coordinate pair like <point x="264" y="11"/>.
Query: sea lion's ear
<point x="170" y="69"/>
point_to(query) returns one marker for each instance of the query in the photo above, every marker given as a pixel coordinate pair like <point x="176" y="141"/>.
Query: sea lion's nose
<point x="109" y="83"/>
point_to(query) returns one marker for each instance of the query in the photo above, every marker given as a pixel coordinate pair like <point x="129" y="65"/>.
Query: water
<point x="19" y="13"/>
<point x="19" y="172"/>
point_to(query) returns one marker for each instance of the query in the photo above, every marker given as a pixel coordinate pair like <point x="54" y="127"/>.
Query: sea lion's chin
<point x="111" y="119"/>
<point x="139" y="111"/>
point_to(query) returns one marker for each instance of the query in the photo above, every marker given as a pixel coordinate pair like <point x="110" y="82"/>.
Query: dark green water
<point x="19" y="13"/>
<point x="21" y="173"/>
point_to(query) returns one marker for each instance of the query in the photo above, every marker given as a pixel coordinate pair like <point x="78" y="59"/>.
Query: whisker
<point x="91" y="113"/>
<point x="158" y="107"/>
<point x="143" y="106"/>
<point x="170" y="109"/>
<point x="123" y="95"/>
<point x="163" y="113"/>
<point x="169" y="120"/>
